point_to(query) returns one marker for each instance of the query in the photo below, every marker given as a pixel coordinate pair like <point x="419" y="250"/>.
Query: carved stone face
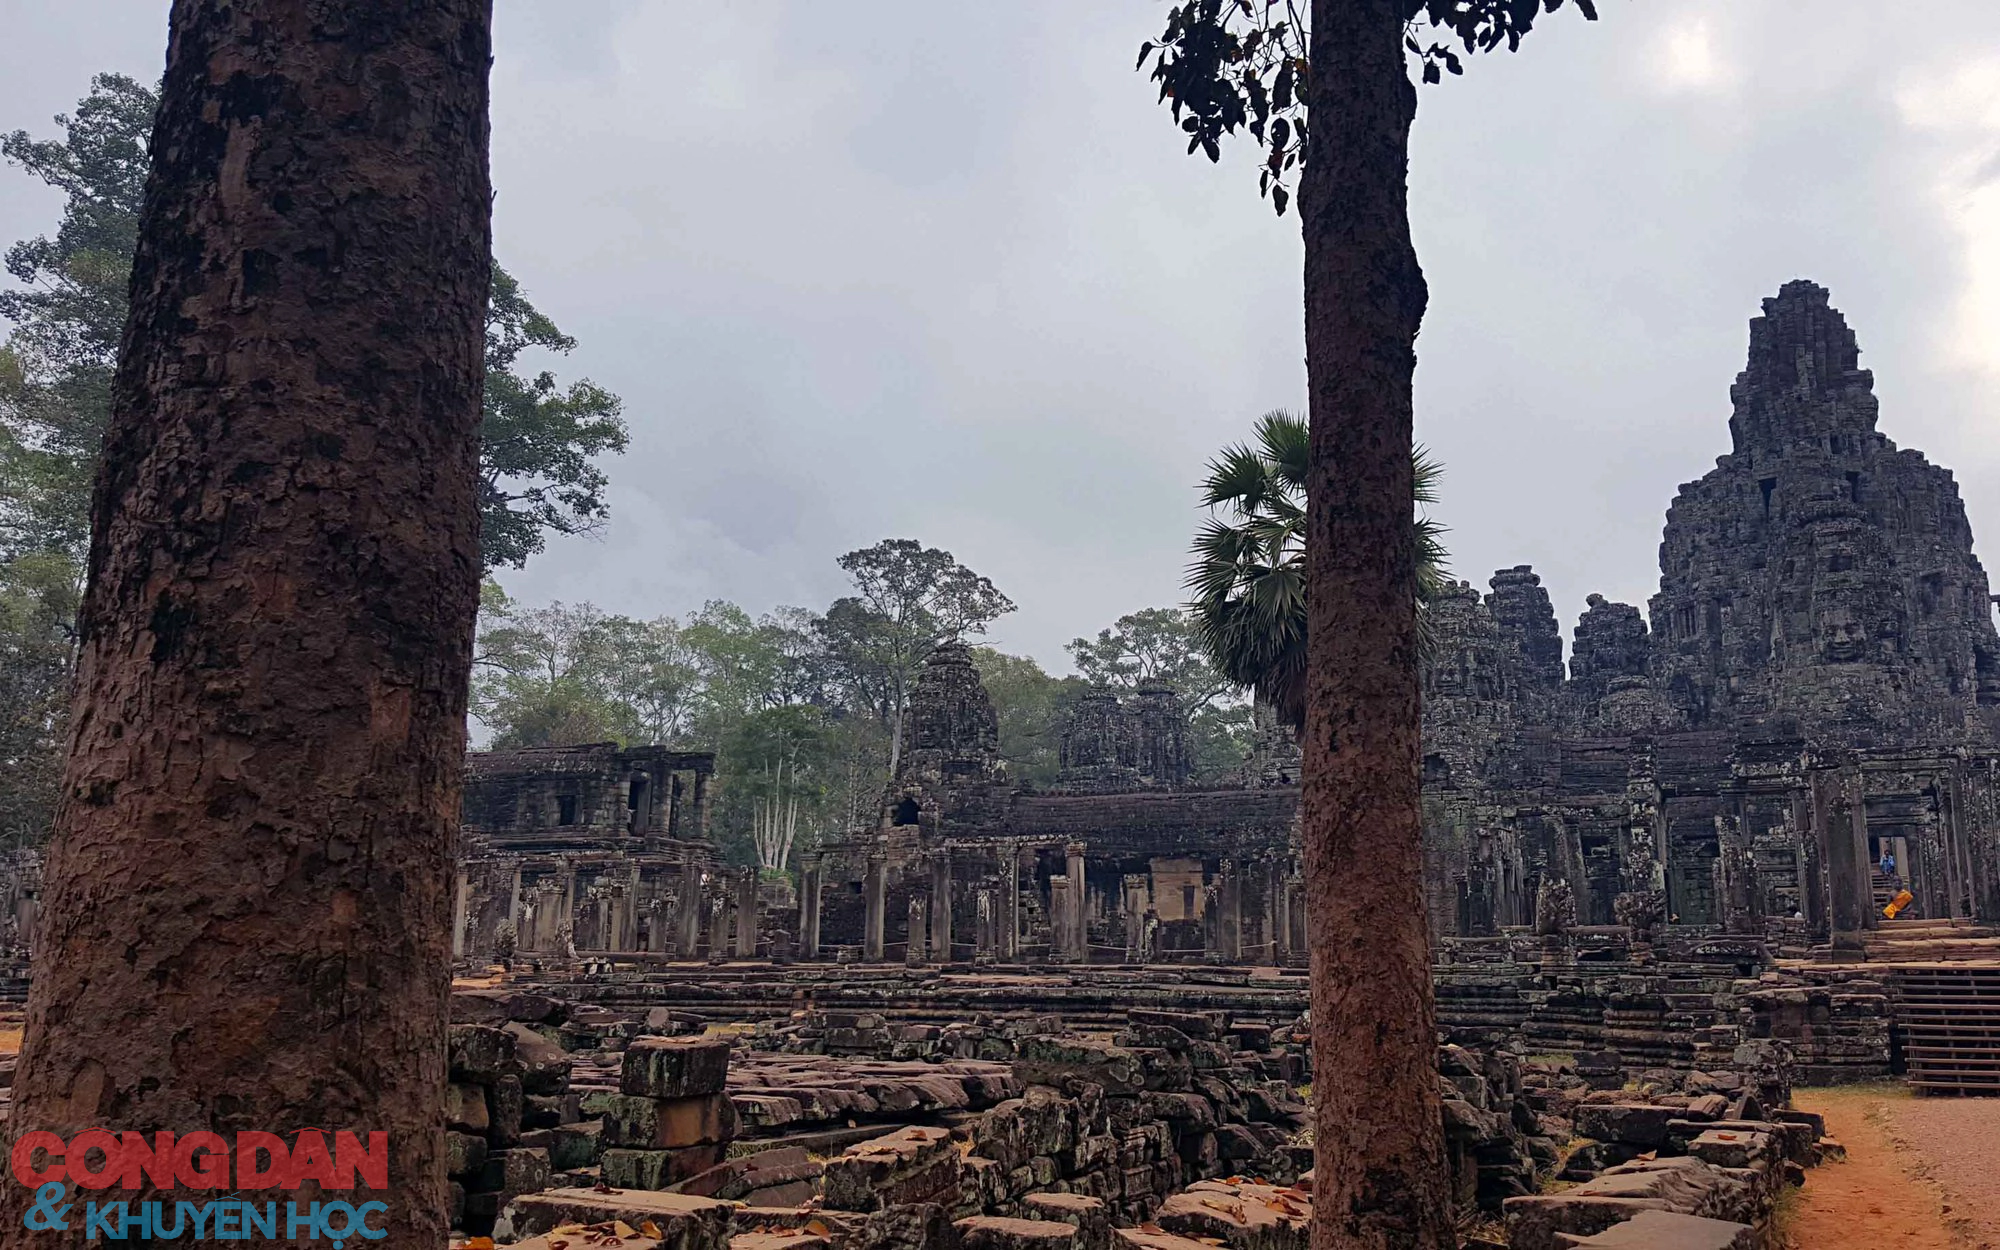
<point x="1843" y="639"/>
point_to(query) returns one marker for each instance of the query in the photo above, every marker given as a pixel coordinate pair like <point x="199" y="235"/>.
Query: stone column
<point x="688" y="945"/>
<point x="514" y="907"/>
<point x="1229" y="927"/>
<point x="874" y="901"/>
<point x="459" y="898"/>
<point x="913" y="933"/>
<point x="1079" y="904"/>
<point x="718" y="926"/>
<point x="700" y="806"/>
<point x="809" y="887"/>
<point x="1842" y="819"/>
<point x="746" y="915"/>
<point x="1008" y="916"/>
<point x="1134" y="914"/>
<point x="1281" y="913"/>
<point x="1059" y="917"/>
<point x="941" y="906"/>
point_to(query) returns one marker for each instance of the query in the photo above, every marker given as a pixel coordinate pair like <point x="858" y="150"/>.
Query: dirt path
<point x="1887" y="1192"/>
<point x="1956" y="1143"/>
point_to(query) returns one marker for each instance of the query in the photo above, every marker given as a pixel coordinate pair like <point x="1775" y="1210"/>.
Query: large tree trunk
<point x="1379" y="1178"/>
<point x="247" y="911"/>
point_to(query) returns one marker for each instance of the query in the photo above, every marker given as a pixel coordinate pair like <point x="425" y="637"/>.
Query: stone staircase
<point x="1925" y="941"/>
<point x="1948" y="1020"/>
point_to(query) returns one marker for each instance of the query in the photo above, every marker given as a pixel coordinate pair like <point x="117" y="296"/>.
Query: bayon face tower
<point x="1819" y="580"/>
<point x="1820" y="683"/>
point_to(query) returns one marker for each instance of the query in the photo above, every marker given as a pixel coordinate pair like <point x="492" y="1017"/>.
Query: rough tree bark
<point x="247" y="906"/>
<point x="1379" y="1179"/>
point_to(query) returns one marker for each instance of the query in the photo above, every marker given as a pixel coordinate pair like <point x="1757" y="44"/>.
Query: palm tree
<point x="1248" y="578"/>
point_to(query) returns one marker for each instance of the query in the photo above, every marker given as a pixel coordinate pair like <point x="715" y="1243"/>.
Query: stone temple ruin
<point x="1072" y="1015"/>
<point x="1819" y="681"/>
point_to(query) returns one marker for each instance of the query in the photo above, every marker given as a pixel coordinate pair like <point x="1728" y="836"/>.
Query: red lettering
<point x="310" y="1161"/>
<point x="79" y="1167"/>
<point x="155" y="1160"/>
<point x="201" y="1161"/>
<point x="249" y="1174"/>
<point x="24" y="1159"/>
<point x="372" y="1165"/>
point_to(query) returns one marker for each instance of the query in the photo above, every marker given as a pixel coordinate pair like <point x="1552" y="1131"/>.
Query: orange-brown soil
<point x="1919" y="1173"/>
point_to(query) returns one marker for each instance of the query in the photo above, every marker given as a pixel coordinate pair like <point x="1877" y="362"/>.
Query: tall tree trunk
<point x="247" y="909"/>
<point x="1379" y="1179"/>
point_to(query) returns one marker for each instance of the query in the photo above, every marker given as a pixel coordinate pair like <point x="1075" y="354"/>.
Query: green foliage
<point x="542" y="675"/>
<point x="1165" y="645"/>
<point x="909" y="600"/>
<point x="784" y="772"/>
<point x="1031" y="706"/>
<point x="1225" y="65"/>
<point x="538" y="473"/>
<point x="38" y="601"/>
<point x="538" y="439"/>
<point x="1248" y="578"/>
<point x="68" y="314"/>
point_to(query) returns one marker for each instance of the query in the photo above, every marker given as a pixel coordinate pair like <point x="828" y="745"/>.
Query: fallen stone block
<point x="1536" y="1220"/>
<point x="674" y="1067"/>
<point x="613" y="1236"/>
<point x="656" y="1169"/>
<point x="465" y="1109"/>
<point x="1087" y="1214"/>
<point x="910" y="1166"/>
<point x="668" y="1123"/>
<point x="573" y="1146"/>
<point x="768" y="1110"/>
<point x="1633" y="1124"/>
<point x="1732" y="1148"/>
<point x="779" y="1241"/>
<point x="1663" y="1230"/>
<point x="480" y="1053"/>
<point x="1243" y="1216"/>
<point x="784" y="1177"/>
<point x="544" y="1066"/>
<point x="999" y="1232"/>
<point x="1154" y="1239"/>
<point x="464" y="1154"/>
<point x="1054" y="1060"/>
<point x="685" y="1222"/>
<point x="506" y="1104"/>
<point x="521" y="1170"/>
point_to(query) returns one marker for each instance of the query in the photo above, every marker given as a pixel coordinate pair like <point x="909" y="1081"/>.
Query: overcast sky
<point x="942" y="271"/>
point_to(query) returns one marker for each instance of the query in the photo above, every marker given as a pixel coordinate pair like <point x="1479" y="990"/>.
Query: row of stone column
<point x="997" y="913"/>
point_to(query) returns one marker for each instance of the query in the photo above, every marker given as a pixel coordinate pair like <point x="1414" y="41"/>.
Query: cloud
<point x="1690" y="59"/>
<point x="1957" y="106"/>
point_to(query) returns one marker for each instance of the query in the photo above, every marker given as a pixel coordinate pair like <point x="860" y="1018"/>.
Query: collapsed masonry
<point x="1169" y="1131"/>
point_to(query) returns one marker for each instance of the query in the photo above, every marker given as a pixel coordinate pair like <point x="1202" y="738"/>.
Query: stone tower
<point x="1819" y="581"/>
<point x="950" y="729"/>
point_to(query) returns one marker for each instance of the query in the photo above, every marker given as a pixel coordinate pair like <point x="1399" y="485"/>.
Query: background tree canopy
<point x="538" y="451"/>
<point x="802" y="707"/>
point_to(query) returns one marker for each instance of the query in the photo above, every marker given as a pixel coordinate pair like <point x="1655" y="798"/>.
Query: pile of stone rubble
<point x="1173" y="1131"/>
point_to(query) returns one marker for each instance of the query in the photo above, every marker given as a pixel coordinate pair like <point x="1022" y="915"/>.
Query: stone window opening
<point x="635" y="803"/>
<point x="565" y="809"/>
<point x="1769" y="486"/>
<point x="906" y="812"/>
<point x="1854" y="486"/>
